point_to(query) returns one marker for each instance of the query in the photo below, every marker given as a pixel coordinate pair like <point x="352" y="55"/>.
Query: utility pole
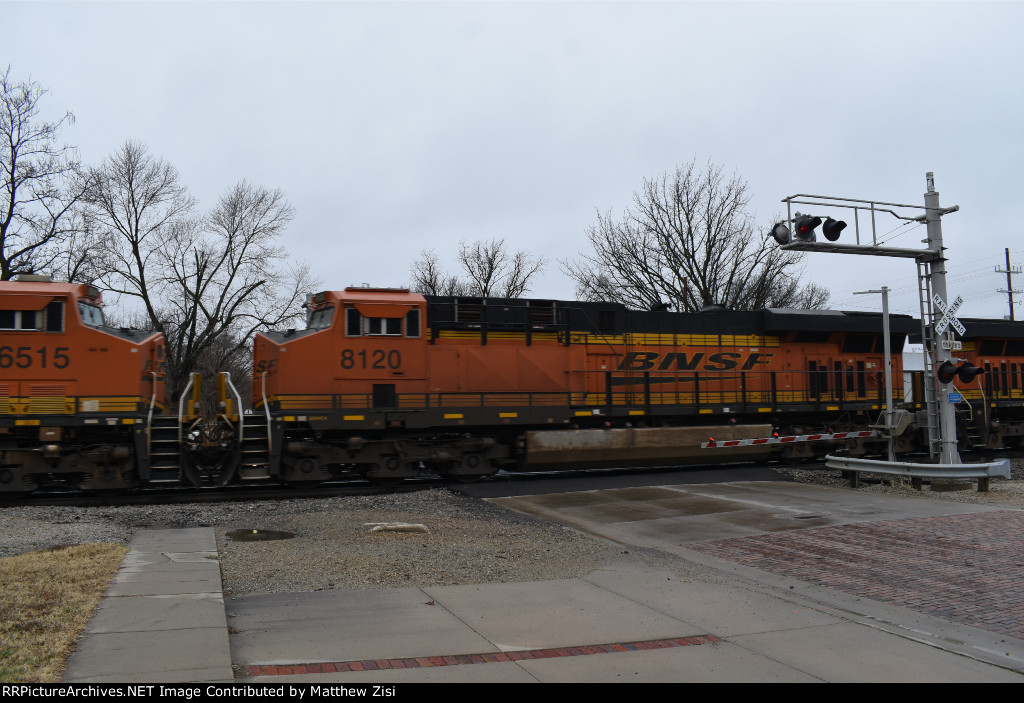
<point x="889" y="424"/>
<point x="1010" y="270"/>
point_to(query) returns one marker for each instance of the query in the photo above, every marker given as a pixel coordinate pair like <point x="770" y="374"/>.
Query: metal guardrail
<point x="982" y="472"/>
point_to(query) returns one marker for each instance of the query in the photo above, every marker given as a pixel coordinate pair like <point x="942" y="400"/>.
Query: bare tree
<point x="490" y="269"/>
<point x="137" y="200"/>
<point x="429" y="278"/>
<point x="40" y="183"/>
<point x="207" y="283"/>
<point x="689" y="241"/>
<point x="226" y="278"/>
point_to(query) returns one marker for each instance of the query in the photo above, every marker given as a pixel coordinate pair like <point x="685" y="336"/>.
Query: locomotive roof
<point x="44" y="288"/>
<point x="608" y="316"/>
<point x="1005" y="329"/>
<point x="615" y="317"/>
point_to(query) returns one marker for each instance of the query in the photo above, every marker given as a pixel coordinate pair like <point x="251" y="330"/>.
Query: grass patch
<point x="46" y="600"/>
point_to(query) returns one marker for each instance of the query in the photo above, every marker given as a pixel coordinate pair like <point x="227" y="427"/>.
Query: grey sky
<point x="394" y="126"/>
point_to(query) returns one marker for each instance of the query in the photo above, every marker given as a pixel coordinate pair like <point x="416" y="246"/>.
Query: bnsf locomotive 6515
<point x="385" y="384"/>
<point x="77" y="399"/>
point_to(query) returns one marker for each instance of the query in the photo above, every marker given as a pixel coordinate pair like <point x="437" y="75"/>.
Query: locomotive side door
<point x="821" y="382"/>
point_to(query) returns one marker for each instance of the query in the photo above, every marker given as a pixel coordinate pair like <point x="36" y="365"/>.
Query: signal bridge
<point x="931" y="268"/>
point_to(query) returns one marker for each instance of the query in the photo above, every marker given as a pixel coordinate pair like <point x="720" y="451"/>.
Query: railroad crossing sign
<point x="949" y="315"/>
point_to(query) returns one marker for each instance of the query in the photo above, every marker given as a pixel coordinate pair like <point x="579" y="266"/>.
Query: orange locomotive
<point x="992" y="415"/>
<point x="386" y="383"/>
<point x="76" y="396"/>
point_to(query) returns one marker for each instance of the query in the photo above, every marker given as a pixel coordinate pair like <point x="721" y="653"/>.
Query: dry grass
<point x="46" y="600"/>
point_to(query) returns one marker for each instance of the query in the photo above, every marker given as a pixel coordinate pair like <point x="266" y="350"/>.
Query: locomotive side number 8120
<point x="22" y="357"/>
<point x="375" y="359"/>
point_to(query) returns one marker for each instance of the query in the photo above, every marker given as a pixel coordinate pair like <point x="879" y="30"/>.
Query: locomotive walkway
<point x="766" y="610"/>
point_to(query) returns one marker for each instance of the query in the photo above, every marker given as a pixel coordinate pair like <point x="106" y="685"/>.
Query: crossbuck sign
<point x="949" y="315"/>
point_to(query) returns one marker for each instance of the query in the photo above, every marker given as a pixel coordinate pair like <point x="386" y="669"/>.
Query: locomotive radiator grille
<point x="49" y="399"/>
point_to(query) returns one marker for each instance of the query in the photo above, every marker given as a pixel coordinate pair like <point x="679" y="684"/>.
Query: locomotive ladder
<point x="924" y="284"/>
<point x="253" y="434"/>
<point x="165" y="449"/>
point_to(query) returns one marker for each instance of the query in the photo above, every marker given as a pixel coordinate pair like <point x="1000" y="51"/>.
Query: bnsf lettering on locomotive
<point x="265" y="365"/>
<point x="682" y="361"/>
<point x="27" y="357"/>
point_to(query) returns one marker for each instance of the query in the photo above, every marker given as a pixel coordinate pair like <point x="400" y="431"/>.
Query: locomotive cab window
<point x="55" y="316"/>
<point x="384" y="326"/>
<point x="353" y="323"/>
<point x="90" y="314"/>
<point x="50" y="319"/>
<point x="321" y="319"/>
<point x="412" y="323"/>
<point x="20" y="320"/>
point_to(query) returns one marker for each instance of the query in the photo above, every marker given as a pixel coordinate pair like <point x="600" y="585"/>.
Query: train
<point x="386" y="384"/>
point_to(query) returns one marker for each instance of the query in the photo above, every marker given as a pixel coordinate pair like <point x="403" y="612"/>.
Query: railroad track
<point x="358" y="486"/>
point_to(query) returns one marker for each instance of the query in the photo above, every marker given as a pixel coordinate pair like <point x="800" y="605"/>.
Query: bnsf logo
<point x="681" y="361"/>
<point x="264" y="365"/>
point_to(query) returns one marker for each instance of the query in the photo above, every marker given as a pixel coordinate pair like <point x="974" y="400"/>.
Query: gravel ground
<point x="467" y="540"/>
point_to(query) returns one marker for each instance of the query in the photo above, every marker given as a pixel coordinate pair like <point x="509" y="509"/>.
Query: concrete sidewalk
<point x="164" y="619"/>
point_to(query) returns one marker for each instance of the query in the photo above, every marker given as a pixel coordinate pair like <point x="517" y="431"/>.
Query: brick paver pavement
<point x="965" y="568"/>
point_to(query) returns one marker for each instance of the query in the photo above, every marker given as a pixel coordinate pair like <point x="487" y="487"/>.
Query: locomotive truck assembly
<point x="386" y="384"/>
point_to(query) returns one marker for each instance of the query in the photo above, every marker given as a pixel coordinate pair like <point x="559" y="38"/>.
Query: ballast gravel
<point x="466" y="541"/>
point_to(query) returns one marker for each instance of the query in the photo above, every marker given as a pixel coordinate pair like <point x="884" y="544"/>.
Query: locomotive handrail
<point x="266" y="411"/>
<point x="238" y="399"/>
<point x="181" y="408"/>
<point x="149" y="417"/>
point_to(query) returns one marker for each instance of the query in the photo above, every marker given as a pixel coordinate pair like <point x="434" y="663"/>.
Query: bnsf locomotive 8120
<point x="385" y="384"/>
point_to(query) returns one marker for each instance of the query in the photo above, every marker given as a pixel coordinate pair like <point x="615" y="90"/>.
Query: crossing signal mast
<point x="936" y="317"/>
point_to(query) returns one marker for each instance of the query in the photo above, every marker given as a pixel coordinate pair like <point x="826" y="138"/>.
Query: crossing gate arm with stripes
<point x="712" y="444"/>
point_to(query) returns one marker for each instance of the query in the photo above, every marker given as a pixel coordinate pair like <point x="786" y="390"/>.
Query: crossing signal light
<point x="832" y="229"/>
<point x="966" y="372"/>
<point x="781" y="233"/>
<point x="803" y="228"/>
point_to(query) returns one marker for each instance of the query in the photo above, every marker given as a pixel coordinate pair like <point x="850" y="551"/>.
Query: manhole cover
<point x="258" y="535"/>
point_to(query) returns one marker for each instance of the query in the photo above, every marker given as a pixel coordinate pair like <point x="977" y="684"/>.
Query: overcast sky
<point x="395" y="126"/>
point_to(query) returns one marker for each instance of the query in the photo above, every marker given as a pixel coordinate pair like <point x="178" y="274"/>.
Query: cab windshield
<point x="91" y="315"/>
<point x="321" y="319"/>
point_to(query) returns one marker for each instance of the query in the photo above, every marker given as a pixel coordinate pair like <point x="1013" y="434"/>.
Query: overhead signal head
<point x="803" y="228"/>
<point x="832" y="229"/>
<point x="781" y="233"/>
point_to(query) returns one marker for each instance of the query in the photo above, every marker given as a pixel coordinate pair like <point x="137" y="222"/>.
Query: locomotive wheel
<point x="209" y="475"/>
